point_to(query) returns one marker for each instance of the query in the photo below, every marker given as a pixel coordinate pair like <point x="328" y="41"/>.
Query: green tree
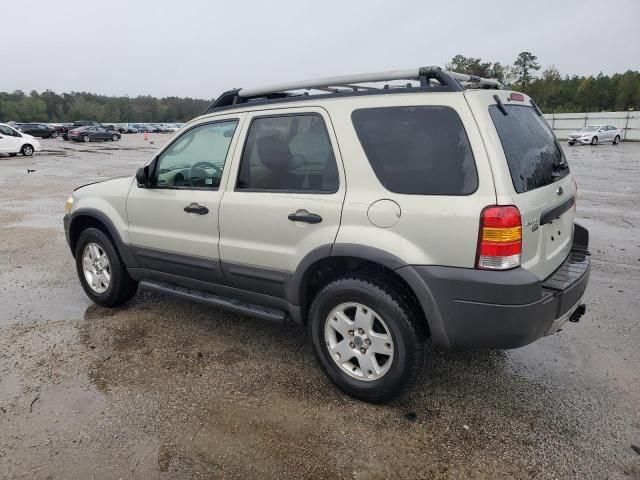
<point x="524" y="67"/>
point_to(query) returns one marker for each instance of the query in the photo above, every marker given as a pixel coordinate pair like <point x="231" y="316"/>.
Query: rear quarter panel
<point x="431" y="229"/>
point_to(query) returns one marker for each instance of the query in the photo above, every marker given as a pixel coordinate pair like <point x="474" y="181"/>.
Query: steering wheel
<point x="200" y="179"/>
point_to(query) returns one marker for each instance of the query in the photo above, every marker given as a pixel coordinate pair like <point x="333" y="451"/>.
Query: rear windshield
<point x="533" y="153"/>
<point x="417" y="150"/>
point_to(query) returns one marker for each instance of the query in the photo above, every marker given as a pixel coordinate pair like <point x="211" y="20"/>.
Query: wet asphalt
<point x="163" y="388"/>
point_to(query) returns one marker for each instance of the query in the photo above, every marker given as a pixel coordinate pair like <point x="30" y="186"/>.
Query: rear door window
<point x="533" y="153"/>
<point x="422" y="150"/>
<point x="288" y="153"/>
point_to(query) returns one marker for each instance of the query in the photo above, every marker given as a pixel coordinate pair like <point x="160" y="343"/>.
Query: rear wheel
<point x="594" y="141"/>
<point x="102" y="274"/>
<point x="616" y="140"/>
<point x="114" y="138"/>
<point x="571" y="144"/>
<point x="365" y="338"/>
<point x="53" y="135"/>
<point x="26" y="150"/>
<point x="86" y="138"/>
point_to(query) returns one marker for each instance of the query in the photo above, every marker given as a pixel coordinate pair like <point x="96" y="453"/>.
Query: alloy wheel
<point x="359" y="341"/>
<point x="96" y="267"/>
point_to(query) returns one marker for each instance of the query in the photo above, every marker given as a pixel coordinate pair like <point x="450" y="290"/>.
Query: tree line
<point x="551" y="91"/>
<point x="554" y="92"/>
<point x="49" y="106"/>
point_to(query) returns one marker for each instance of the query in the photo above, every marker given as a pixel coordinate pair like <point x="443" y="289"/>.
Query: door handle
<point x="307" y="218"/>
<point x="195" y="208"/>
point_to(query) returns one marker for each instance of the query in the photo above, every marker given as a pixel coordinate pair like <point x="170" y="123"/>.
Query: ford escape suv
<point x="380" y="210"/>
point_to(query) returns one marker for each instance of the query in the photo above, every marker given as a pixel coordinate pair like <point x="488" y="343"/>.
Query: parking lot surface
<point x="163" y="388"/>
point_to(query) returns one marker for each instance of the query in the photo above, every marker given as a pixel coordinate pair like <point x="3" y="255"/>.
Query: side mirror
<point x="142" y="177"/>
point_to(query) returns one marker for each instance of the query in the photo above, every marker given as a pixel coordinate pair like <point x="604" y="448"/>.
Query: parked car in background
<point x="61" y="128"/>
<point x="595" y="134"/>
<point x="146" y="128"/>
<point x="40" y="130"/>
<point x="92" y="134"/>
<point x="13" y="142"/>
<point x="126" y="128"/>
<point x="80" y="123"/>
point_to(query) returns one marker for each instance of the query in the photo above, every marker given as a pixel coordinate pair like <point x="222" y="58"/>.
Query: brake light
<point x="500" y="238"/>
<point x="518" y="97"/>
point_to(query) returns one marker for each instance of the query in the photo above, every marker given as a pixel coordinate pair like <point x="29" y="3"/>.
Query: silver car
<point x="595" y="134"/>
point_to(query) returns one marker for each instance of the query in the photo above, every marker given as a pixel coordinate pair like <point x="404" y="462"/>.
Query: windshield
<point x="533" y="153"/>
<point x="590" y="128"/>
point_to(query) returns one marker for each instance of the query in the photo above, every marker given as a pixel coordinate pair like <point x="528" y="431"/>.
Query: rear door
<point x="530" y="172"/>
<point x="284" y="198"/>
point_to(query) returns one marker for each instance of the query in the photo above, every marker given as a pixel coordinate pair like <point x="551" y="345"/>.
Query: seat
<point x="274" y="153"/>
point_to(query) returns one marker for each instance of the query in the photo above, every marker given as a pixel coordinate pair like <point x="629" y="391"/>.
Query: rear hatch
<point x="531" y="172"/>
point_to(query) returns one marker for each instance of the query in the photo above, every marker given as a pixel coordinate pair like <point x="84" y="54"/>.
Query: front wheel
<point x="86" y="138"/>
<point x="26" y="150"/>
<point x="594" y="141"/>
<point x="102" y="274"/>
<point x="366" y="338"/>
<point x="114" y="138"/>
<point x="616" y="140"/>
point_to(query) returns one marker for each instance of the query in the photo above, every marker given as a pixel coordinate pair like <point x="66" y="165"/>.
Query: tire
<point x="115" y="290"/>
<point x="86" y="138"/>
<point x="594" y="141"/>
<point x="26" y="150"/>
<point x="53" y="135"/>
<point x="403" y="344"/>
<point x="114" y="138"/>
<point x="571" y="144"/>
<point x="616" y="140"/>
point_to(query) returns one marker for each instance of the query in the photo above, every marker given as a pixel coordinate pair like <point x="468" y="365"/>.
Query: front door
<point x="173" y="223"/>
<point x="9" y="141"/>
<point x="284" y="201"/>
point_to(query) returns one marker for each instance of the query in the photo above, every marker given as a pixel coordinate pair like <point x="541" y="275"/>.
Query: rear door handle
<point x="195" y="208"/>
<point x="306" y="217"/>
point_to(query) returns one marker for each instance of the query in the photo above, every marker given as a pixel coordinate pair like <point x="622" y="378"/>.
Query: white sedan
<point x="14" y="142"/>
<point x="595" y="134"/>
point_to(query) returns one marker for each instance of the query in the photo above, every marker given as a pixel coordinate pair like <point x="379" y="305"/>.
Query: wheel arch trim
<point x="122" y="248"/>
<point x="296" y="293"/>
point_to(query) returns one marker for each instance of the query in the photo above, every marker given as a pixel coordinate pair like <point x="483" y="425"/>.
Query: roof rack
<point x="351" y="84"/>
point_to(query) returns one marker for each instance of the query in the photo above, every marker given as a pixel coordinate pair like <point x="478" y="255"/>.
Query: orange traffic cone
<point x="146" y="135"/>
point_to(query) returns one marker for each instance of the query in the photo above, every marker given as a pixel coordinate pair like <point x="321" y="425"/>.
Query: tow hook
<point x="577" y="313"/>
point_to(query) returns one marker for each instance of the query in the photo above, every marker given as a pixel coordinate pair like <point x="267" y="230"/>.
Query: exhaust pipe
<point x="578" y="313"/>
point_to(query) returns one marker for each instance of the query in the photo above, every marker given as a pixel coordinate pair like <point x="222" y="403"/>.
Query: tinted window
<point x="6" y="130"/>
<point x="289" y="152"/>
<point x="533" y="153"/>
<point x="197" y="158"/>
<point x="417" y="150"/>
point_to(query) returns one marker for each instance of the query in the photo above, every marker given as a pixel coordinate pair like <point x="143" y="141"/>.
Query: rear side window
<point x="533" y="153"/>
<point x="417" y="150"/>
<point x="288" y="153"/>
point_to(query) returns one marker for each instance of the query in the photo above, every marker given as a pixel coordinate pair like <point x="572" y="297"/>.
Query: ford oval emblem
<point x="559" y="191"/>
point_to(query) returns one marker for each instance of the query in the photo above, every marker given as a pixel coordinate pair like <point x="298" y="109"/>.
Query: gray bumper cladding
<point x="468" y="308"/>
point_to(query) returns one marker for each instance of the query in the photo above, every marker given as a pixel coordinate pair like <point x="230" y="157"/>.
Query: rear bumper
<point x="468" y="308"/>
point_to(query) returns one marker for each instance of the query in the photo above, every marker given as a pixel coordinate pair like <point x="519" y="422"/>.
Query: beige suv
<point x="380" y="210"/>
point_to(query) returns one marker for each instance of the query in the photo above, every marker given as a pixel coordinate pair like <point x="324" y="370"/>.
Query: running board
<point x="232" y="304"/>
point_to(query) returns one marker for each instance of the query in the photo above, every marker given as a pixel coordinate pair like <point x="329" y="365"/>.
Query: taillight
<point x="500" y="238"/>
<point x="517" y="97"/>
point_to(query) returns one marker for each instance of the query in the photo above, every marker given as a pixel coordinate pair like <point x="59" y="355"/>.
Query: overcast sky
<point x="200" y="48"/>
